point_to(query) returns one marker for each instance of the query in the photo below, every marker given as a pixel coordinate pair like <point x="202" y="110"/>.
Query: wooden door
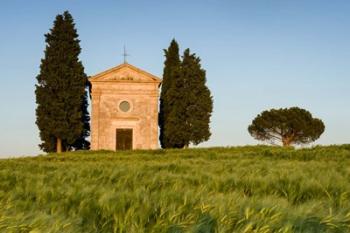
<point x="124" y="139"/>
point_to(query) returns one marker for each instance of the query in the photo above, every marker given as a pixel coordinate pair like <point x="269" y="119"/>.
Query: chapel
<point x="124" y="106"/>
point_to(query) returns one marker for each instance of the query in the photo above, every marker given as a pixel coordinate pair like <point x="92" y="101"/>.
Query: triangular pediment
<point x="125" y="73"/>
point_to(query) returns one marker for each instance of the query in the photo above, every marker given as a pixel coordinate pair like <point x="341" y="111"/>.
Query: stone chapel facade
<point x="124" y="109"/>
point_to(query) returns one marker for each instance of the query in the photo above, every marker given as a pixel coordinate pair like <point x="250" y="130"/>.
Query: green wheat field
<point x="239" y="189"/>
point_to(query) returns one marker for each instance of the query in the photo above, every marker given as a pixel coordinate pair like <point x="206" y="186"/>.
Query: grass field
<point x="241" y="189"/>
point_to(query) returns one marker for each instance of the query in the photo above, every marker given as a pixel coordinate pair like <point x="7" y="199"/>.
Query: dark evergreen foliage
<point x="176" y="133"/>
<point x="81" y="143"/>
<point x="61" y="94"/>
<point x="170" y="73"/>
<point x="199" y="103"/>
<point x="286" y="125"/>
<point x="185" y="103"/>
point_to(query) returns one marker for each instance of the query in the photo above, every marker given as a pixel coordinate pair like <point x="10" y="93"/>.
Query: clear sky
<point x="258" y="55"/>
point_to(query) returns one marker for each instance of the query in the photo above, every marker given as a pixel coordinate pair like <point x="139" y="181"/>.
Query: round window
<point x="124" y="106"/>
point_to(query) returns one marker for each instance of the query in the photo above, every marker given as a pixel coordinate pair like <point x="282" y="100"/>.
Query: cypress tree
<point x="81" y="143"/>
<point x="175" y="130"/>
<point x="199" y="103"/>
<point x="61" y="96"/>
<point x="185" y="103"/>
<point x="170" y="73"/>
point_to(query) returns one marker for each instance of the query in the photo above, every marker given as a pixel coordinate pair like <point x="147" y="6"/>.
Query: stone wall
<point x="142" y="95"/>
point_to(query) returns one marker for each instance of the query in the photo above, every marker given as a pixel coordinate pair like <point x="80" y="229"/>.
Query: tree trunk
<point x="286" y="141"/>
<point x="59" y="145"/>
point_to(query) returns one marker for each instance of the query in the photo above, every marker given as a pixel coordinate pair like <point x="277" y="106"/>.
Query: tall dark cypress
<point x="61" y="96"/>
<point x="199" y="102"/>
<point x="175" y="130"/>
<point x="82" y="143"/>
<point x="171" y="70"/>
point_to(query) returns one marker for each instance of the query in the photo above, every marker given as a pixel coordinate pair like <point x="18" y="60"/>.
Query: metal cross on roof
<point x="125" y="55"/>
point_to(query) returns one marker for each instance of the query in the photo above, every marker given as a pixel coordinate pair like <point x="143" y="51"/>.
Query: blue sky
<point x="258" y="55"/>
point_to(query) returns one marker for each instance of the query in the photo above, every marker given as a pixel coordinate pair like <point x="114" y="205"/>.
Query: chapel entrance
<point x="124" y="139"/>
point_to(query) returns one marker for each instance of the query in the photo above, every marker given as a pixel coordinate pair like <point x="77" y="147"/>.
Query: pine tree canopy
<point x="286" y="125"/>
<point x="61" y="94"/>
<point x="186" y="103"/>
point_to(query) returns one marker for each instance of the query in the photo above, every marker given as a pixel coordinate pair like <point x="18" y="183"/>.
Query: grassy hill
<point x="241" y="189"/>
